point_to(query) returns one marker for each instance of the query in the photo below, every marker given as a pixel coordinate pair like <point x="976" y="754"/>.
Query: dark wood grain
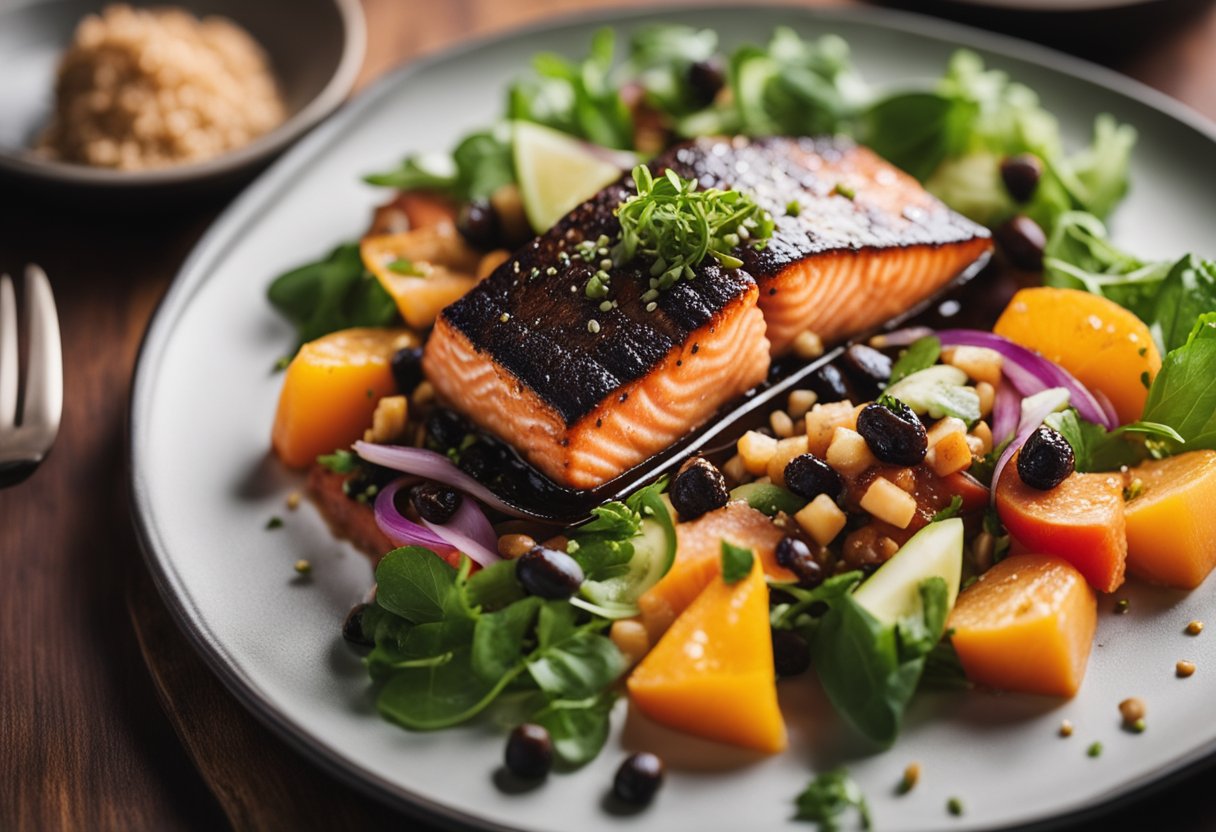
<point x="84" y="743"/>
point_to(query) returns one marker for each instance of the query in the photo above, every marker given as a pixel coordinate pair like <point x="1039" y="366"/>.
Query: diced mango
<point x="1081" y="520"/>
<point x="822" y="519"/>
<point x="331" y="390"/>
<point x="1171" y="525"/>
<point x="1026" y="625"/>
<point x="950" y="455"/>
<point x="699" y="560"/>
<point x="712" y="673"/>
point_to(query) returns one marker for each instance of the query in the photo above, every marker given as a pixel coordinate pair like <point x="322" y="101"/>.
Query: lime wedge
<point x="556" y="171"/>
<point x="892" y="592"/>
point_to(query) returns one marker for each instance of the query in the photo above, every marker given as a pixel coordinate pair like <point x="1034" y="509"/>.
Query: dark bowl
<point x="315" y="49"/>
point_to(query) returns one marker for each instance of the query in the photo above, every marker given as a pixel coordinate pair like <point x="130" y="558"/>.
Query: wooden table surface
<point x="84" y="741"/>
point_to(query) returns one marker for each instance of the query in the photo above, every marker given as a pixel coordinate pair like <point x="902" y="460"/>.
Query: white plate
<point x="204" y="487"/>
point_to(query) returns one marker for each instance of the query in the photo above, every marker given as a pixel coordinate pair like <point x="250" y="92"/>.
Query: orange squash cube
<point x="331" y="390"/>
<point x="699" y="560"/>
<point x="1027" y="626"/>
<point x="1171" y="525"/>
<point x="712" y="673"/>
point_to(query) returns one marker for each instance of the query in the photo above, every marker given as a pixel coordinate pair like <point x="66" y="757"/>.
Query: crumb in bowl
<point x="151" y="88"/>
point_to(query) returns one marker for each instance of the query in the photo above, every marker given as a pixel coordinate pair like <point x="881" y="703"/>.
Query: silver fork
<point x="26" y="437"/>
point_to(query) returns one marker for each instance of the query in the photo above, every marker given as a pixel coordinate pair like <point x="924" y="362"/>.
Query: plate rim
<point x="230" y="226"/>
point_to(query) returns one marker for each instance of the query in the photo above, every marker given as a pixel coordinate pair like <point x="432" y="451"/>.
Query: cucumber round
<point x="892" y="593"/>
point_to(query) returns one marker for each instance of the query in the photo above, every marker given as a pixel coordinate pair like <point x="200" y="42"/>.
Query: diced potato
<point x="787" y="449"/>
<point x="1026" y="625"/>
<point x="945" y="427"/>
<point x="822" y="421"/>
<point x="979" y="363"/>
<point x="950" y="455"/>
<point x="1171" y="525"/>
<point x="800" y="402"/>
<point x="756" y="449"/>
<point x="781" y="423"/>
<point x="987" y="394"/>
<point x="848" y="452"/>
<point x="388" y="421"/>
<point x="822" y="519"/>
<point x="889" y="503"/>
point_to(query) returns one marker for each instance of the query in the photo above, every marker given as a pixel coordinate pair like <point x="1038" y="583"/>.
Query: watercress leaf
<point x="578" y="728"/>
<point x="953" y="510"/>
<point x="1183" y="395"/>
<point x="554" y="624"/>
<point x="614" y="519"/>
<point x="333" y="293"/>
<point x="441" y="695"/>
<point x="1188" y="291"/>
<point x="737" y="562"/>
<point x="920" y="354"/>
<point x="416" y="584"/>
<point x="577" y="666"/>
<point x="493" y="587"/>
<point x="499" y="638"/>
<point x="1096" y="449"/>
<point x="829" y="796"/>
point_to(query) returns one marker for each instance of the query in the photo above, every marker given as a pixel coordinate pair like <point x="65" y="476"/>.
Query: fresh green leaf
<point x="1183" y="395"/>
<point x="768" y="498"/>
<point x="440" y="695"/>
<point x="332" y="294"/>
<point x="943" y="670"/>
<point x="920" y="355"/>
<point x="494" y="587"/>
<point x="1187" y="292"/>
<point x="737" y="562"/>
<point x="578" y="728"/>
<point x="416" y="584"/>
<point x="614" y="519"/>
<point x="660" y="57"/>
<point x="829" y="796"/>
<point x="340" y="461"/>
<point x="1096" y="449"/>
<point x="577" y="666"/>
<point x="484" y="162"/>
<point x="433" y="171"/>
<point x="953" y="510"/>
<point x="499" y="638"/>
<point x="799" y="614"/>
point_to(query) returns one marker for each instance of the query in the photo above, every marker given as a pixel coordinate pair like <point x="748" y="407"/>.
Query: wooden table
<point x="84" y="741"/>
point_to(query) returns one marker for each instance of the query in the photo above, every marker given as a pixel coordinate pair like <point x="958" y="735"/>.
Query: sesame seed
<point x="551" y="271"/>
<point x="593" y="326"/>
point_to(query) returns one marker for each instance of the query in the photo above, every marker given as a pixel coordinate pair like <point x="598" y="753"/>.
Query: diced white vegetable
<point x="756" y="449"/>
<point x="979" y="363"/>
<point x="822" y="519"/>
<point x="890" y="503"/>
<point x="848" y="453"/>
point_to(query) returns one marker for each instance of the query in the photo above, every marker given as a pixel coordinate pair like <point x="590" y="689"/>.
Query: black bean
<point x="808" y="476"/>
<point x="1046" y="459"/>
<point x="796" y="556"/>
<point x="1022" y="241"/>
<point x="698" y="487"/>
<point x="352" y="627"/>
<point x="791" y="653"/>
<point x="478" y="223"/>
<point x="407" y="369"/>
<point x="705" y="81"/>
<point x="548" y="573"/>
<point x="1021" y="175"/>
<point x="446" y="429"/>
<point x="638" y="778"/>
<point x="867" y="366"/>
<point x="893" y="432"/>
<point x="529" y="752"/>
<point x="830" y="384"/>
<point x="436" y="503"/>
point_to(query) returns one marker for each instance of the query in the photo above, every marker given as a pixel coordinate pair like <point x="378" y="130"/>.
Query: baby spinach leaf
<point x="499" y="638"/>
<point x="1183" y="395"/>
<point x="829" y="796"/>
<point x="417" y="585"/>
<point x="920" y="354"/>
<point x="578" y="728"/>
<point x="493" y="587"/>
<point x="737" y="562"/>
<point x="440" y="696"/>
<point x="333" y="293"/>
<point x="577" y="666"/>
<point x="1188" y="291"/>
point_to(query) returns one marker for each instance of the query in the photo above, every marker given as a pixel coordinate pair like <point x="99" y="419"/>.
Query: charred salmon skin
<point x="585" y="389"/>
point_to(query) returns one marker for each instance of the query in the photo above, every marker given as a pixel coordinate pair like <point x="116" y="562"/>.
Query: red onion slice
<point x="1006" y="412"/>
<point x="470" y="532"/>
<point x="400" y="529"/>
<point x="432" y="466"/>
<point x="1035" y="409"/>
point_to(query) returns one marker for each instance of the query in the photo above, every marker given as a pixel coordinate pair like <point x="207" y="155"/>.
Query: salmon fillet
<point x="585" y="394"/>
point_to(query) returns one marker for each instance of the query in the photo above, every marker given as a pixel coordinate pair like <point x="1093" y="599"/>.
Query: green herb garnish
<point x="953" y="510"/>
<point x="829" y="796"/>
<point x="405" y="267"/>
<point x="736" y="562"/>
<point x="677" y="226"/>
<point x="920" y="354"/>
<point x="340" y="461"/>
<point x="274" y="523"/>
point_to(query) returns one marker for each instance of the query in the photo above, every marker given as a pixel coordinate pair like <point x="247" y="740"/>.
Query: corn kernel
<point x="848" y="452"/>
<point x="808" y="345"/>
<point x="800" y="402"/>
<point x="756" y="449"/>
<point x="979" y="363"/>
<point x="822" y="519"/>
<point x="889" y="503"/>
<point x="787" y="449"/>
<point x="781" y="423"/>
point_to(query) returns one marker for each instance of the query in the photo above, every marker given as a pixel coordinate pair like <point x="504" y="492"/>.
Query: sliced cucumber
<point x="940" y="390"/>
<point x="556" y="171"/>
<point x="892" y="593"/>
<point x="654" y="551"/>
<point x="768" y="498"/>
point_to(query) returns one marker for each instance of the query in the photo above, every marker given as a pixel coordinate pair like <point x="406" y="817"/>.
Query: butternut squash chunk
<point x="712" y="673"/>
<point x="1171" y="525"/>
<point x="699" y="560"/>
<point x="423" y="270"/>
<point x="1080" y="520"/>
<point x="331" y="389"/>
<point x="1027" y="626"/>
